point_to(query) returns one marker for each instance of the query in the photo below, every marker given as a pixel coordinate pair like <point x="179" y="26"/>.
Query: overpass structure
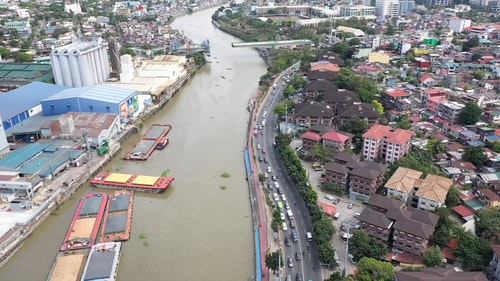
<point x="273" y="43"/>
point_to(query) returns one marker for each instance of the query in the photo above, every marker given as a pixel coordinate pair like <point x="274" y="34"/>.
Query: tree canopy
<point x="371" y="269"/>
<point x="475" y="155"/>
<point x="474" y="252"/>
<point x="453" y="198"/>
<point x="488" y="225"/>
<point x="433" y="257"/>
<point x="362" y="245"/>
<point x="274" y="259"/>
<point x="348" y="79"/>
<point x="470" y="114"/>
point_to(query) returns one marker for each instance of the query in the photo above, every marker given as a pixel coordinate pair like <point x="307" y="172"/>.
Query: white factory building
<point x="81" y="63"/>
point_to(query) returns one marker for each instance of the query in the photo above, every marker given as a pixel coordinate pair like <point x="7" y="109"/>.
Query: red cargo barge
<point x="153" y="138"/>
<point x="84" y="228"/>
<point x="118" y="219"/>
<point x="132" y="182"/>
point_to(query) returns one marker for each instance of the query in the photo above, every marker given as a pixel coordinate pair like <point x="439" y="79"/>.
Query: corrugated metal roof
<point x="102" y="93"/>
<point x="26" y="97"/>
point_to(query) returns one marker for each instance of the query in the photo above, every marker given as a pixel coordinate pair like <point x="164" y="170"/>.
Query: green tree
<point x="5" y="53"/>
<point x="378" y="106"/>
<point x="433" y="257"/>
<point x="337" y="276"/>
<point x="475" y="155"/>
<point x="453" y="198"/>
<point x="473" y="42"/>
<point x="371" y="269"/>
<point x="478" y="74"/>
<point x="334" y="188"/>
<point x="290" y="90"/>
<point x="470" y="114"/>
<point x="474" y="252"/>
<point x="488" y="225"/>
<point x="343" y="49"/>
<point x="354" y="126"/>
<point x="280" y="110"/>
<point x="404" y="122"/>
<point x="274" y="260"/>
<point x="354" y="42"/>
<point x="435" y="146"/>
<point x="362" y="245"/>
<point x="24" y="57"/>
<point x="127" y="51"/>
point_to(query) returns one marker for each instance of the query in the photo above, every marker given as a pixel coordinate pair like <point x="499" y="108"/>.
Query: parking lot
<point x="347" y="213"/>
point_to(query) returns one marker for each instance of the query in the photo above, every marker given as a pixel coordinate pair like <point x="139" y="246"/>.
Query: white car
<point x="276" y="198"/>
<point x="268" y="169"/>
<point x="276" y="184"/>
<point x="329" y="197"/>
<point x="258" y="146"/>
<point x="282" y="216"/>
<point x="283" y="197"/>
<point x="285" y="227"/>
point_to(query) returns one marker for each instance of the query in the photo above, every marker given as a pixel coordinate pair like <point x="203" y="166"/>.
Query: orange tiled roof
<point x="403" y="179"/>
<point x="398" y="136"/>
<point x="325" y="65"/>
<point x="311" y="136"/>
<point x="335" y="136"/>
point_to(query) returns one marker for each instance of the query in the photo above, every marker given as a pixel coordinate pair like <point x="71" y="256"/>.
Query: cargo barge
<point x="149" y="142"/>
<point x="118" y="218"/>
<point x="68" y="266"/>
<point x="133" y="182"/>
<point x="84" y="228"/>
<point x="103" y="261"/>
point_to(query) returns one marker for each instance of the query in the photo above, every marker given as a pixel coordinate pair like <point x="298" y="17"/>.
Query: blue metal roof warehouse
<point x="99" y="98"/>
<point x="15" y="105"/>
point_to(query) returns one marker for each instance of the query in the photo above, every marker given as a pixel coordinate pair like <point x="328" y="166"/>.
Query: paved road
<point x="308" y="267"/>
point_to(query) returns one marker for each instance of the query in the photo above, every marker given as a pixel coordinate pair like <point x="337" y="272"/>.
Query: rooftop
<point x="396" y="136"/>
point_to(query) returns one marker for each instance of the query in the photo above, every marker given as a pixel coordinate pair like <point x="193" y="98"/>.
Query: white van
<point x="289" y="213"/>
<point x="336" y="216"/>
<point x="309" y="236"/>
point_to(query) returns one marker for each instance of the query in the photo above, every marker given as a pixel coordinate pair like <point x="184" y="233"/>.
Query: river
<point x="201" y="227"/>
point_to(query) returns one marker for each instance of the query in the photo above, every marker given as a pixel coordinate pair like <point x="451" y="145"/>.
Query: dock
<point x="148" y="142"/>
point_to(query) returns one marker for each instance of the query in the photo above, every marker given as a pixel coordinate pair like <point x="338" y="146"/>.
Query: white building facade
<point x="386" y="8"/>
<point x="82" y="63"/>
<point x="458" y="25"/>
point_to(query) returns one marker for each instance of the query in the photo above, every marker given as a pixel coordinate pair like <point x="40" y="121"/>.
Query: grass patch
<point x="225" y="175"/>
<point x="223" y="187"/>
<point x="143" y="236"/>
<point x="118" y="169"/>
<point x="165" y="173"/>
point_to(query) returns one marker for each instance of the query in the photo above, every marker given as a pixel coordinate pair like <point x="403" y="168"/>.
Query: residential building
<point x="458" y="25"/>
<point x="449" y="110"/>
<point x="425" y="194"/>
<point x="490" y="197"/>
<point x="82" y="63"/>
<point x="364" y="111"/>
<point x="361" y="178"/>
<point x="443" y="3"/>
<point x="385" y="143"/>
<point x="392" y="99"/>
<point x="22" y="27"/>
<point x="308" y="114"/>
<point x="319" y="89"/>
<point x="408" y="229"/>
<point x="406" y="6"/>
<point x="495" y="262"/>
<point x="440" y="274"/>
<point x="432" y="103"/>
<point x="491" y="116"/>
<point x="356" y="10"/>
<point x="309" y="139"/>
<point x="386" y="8"/>
<point x="336" y="141"/>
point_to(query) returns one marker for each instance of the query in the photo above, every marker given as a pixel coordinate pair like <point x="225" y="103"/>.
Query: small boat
<point x="223" y="77"/>
<point x="162" y="143"/>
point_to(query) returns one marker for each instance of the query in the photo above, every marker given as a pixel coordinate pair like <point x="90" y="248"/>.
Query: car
<point x="270" y="186"/>
<point x="336" y="201"/>
<point x="290" y="262"/>
<point x="328" y="196"/>
<point x="282" y="216"/>
<point x="258" y="146"/>
<point x="277" y="185"/>
<point x="265" y="160"/>
<point x="276" y="198"/>
<point x="349" y="206"/>
<point x="351" y="258"/>
<point x="260" y="159"/>
<point x="263" y="151"/>
<point x="274" y="178"/>
<point x="287" y="206"/>
<point x="292" y="223"/>
<point x="298" y="277"/>
<point x="268" y="169"/>
<point x="283" y="197"/>
<point x="284" y="226"/>
<point x="288" y="243"/>
<point x="261" y="133"/>
<point x="298" y="256"/>
<point x="260" y="127"/>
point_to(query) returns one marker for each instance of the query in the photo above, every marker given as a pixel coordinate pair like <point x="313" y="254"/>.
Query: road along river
<point x="201" y="228"/>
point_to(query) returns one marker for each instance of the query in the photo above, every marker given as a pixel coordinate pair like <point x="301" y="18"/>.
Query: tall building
<point x="386" y="8"/>
<point x="439" y="2"/>
<point x="82" y="63"/>
<point x="385" y="143"/>
<point x="406" y="6"/>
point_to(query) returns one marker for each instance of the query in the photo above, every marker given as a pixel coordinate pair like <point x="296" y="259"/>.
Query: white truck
<point x="289" y="214"/>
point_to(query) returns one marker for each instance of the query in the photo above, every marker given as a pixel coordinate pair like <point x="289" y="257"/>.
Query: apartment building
<point x="385" y="143"/>
<point x="386" y="8"/>
<point x="410" y="228"/>
<point x="449" y="110"/>
<point x="425" y="194"/>
<point x="440" y="274"/>
<point x="309" y="139"/>
<point x="356" y="11"/>
<point x="337" y="141"/>
<point x="495" y="262"/>
<point x="361" y="178"/>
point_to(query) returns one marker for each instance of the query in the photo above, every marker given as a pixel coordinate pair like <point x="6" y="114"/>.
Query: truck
<point x="289" y="213"/>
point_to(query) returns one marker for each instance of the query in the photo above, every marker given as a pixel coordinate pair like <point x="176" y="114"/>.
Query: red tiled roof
<point x="329" y="209"/>
<point x="335" y="136"/>
<point x="448" y="253"/>
<point x="370" y="68"/>
<point x="398" y="136"/>
<point x="415" y="118"/>
<point x="397" y="93"/>
<point x="425" y="77"/>
<point x="463" y="211"/>
<point x="490" y="194"/>
<point x="404" y="258"/>
<point x="311" y="136"/>
<point x="324" y="65"/>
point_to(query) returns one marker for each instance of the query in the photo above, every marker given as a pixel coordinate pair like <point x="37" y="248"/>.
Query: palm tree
<point x="435" y="146"/>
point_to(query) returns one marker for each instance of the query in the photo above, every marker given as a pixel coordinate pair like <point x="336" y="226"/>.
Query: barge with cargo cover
<point x="118" y="218"/>
<point x="103" y="261"/>
<point x="133" y="182"/>
<point x="154" y="138"/>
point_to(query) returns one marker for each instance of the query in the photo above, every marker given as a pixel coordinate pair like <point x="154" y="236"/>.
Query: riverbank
<point x="60" y="189"/>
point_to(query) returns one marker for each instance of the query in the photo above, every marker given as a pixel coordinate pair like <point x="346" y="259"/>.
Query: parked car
<point x="292" y="223"/>
<point x="283" y="197"/>
<point x="351" y="258"/>
<point x="260" y="159"/>
<point x="349" y="206"/>
<point x="265" y="160"/>
<point x="298" y="256"/>
<point x="288" y="243"/>
<point x="327" y="197"/>
<point x="258" y="146"/>
<point x="336" y="201"/>
<point x="276" y="197"/>
<point x="282" y="216"/>
<point x="277" y="185"/>
<point x="290" y="262"/>
<point x="268" y="169"/>
<point x="284" y="226"/>
<point x="287" y="206"/>
<point x="274" y="178"/>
